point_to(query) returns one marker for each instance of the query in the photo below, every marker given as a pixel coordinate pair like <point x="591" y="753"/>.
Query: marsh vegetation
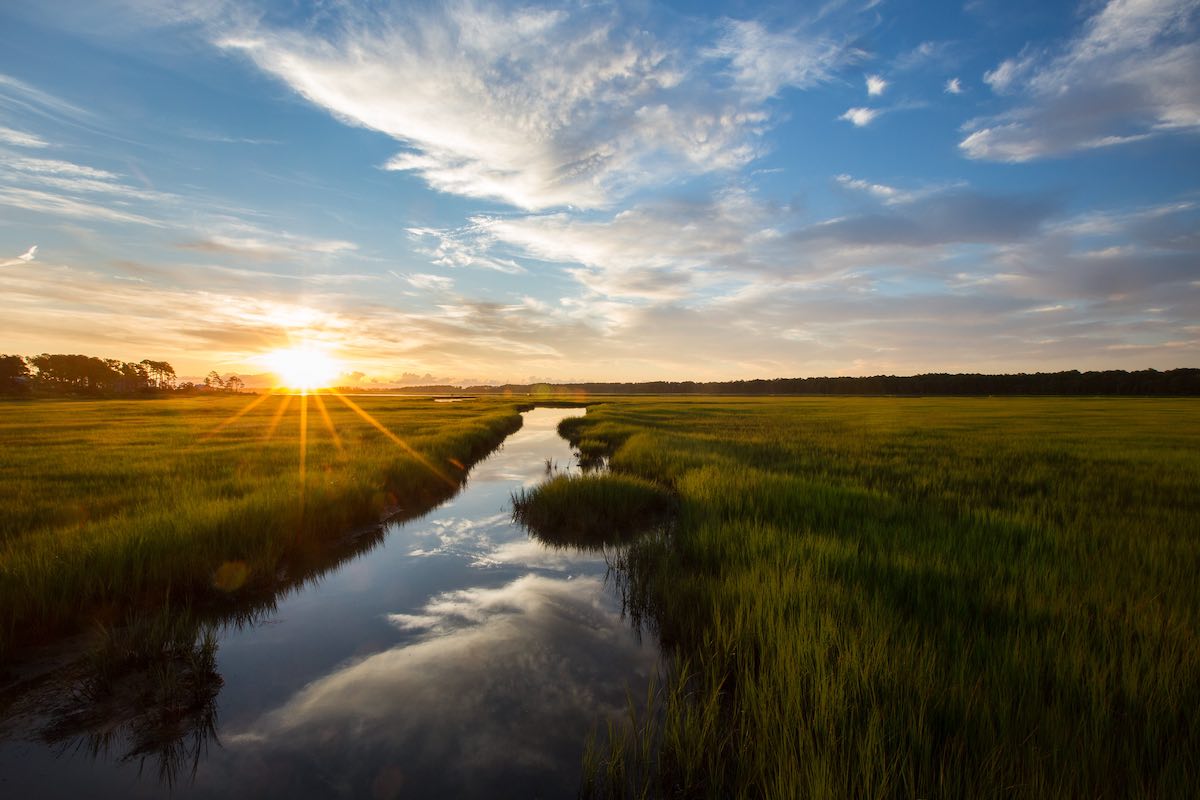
<point x="913" y="598"/>
<point x="592" y="511"/>
<point x="859" y="596"/>
<point x="113" y="505"/>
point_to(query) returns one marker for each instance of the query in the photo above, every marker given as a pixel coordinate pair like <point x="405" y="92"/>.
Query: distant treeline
<point x="1146" y="382"/>
<point x="73" y="374"/>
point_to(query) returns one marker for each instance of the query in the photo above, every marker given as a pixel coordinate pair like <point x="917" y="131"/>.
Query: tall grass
<point x="591" y="511"/>
<point x="112" y="504"/>
<point x="936" y="598"/>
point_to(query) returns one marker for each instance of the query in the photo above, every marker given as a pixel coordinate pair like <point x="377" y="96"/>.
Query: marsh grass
<point x="934" y="598"/>
<point x="113" y="505"/>
<point x="591" y="511"/>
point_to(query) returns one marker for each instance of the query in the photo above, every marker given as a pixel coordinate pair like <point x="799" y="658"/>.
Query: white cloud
<point x="543" y="108"/>
<point x="1007" y="73"/>
<point x="17" y="138"/>
<point x="1128" y="75"/>
<point x="467" y="246"/>
<point x="17" y="95"/>
<point x="875" y="85"/>
<point x="891" y="195"/>
<point x="25" y="258"/>
<point x="425" y="280"/>
<point x="764" y="62"/>
<point x="879" y="190"/>
<point x="56" y="204"/>
<point x="860" y="117"/>
<point x="236" y="237"/>
<point x="922" y="55"/>
<point x="954" y="86"/>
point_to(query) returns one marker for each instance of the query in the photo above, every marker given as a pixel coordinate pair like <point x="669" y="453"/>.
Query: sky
<point x="472" y="192"/>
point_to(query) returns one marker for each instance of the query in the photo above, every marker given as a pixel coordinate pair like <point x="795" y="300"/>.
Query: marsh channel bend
<point x="458" y="658"/>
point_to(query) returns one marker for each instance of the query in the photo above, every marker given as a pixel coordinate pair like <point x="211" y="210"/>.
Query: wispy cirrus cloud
<point x="540" y="107"/>
<point x="237" y="237"/>
<point x="19" y="96"/>
<point x="1130" y="74"/>
<point x="15" y="138"/>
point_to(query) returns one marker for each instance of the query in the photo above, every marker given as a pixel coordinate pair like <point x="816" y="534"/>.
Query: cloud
<point x="50" y="203"/>
<point x="921" y="55"/>
<point x="953" y="86"/>
<point x="66" y="188"/>
<point x="860" y="117"/>
<point x="541" y="108"/>
<point x="763" y="62"/>
<point x="888" y="194"/>
<point x="423" y="280"/>
<point x="251" y="241"/>
<point x="1009" y="72"/>
<point x="1129" y="74"/>
<point x="667" y="249"/>
<point x="25" y="258"/>
<point x="16" y="95"/>
<point x="875" y="85"/>
<point x="959" y="215"/>
<point x="467" y="246"/>
<point x="17" y="138"/>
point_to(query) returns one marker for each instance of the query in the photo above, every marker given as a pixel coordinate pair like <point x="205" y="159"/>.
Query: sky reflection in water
<point x="459" y="658"/>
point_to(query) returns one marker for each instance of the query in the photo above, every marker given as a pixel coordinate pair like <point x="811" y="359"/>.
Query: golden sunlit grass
<point x="113" y="503"/>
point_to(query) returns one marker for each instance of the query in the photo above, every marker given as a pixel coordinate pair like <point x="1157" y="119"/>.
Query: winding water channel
<point x="457" y="658"/>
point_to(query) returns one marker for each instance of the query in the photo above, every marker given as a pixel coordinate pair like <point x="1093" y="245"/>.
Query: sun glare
<point x="302" y="367"/>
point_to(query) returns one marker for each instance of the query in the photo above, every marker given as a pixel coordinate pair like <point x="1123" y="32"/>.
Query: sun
<point x="303" y="367"/>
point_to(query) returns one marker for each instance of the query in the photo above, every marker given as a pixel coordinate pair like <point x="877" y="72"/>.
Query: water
<point x="459" y="658"/>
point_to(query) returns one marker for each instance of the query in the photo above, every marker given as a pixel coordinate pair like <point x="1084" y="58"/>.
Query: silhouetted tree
<point x="234" y="384"/>
<point x="75" y="372"/>
<point x="161" y="373"/>
<point x="213" y="380"/>
<point x="14" y="374"/>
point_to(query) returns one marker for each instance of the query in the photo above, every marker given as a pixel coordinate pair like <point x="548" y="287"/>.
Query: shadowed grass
<point x="933" y="598"/>
<point x="115" y="504"/>
<point x="590" y="511"/>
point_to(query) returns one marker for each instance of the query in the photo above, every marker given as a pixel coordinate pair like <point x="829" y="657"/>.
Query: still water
<point x="458" y="658"/>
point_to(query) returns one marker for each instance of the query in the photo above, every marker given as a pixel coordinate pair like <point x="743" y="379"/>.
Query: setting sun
<point x="302" y="367"/>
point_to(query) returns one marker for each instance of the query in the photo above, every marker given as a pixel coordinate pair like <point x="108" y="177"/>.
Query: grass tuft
<point x="592" y="510"/>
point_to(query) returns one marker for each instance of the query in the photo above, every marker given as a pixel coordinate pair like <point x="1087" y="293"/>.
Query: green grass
<point x="940" y="598"/>
<point x="591" y="511"/>
<point x="108" y="505"/>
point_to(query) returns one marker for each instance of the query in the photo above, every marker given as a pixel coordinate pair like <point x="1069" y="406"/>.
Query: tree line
<point x="74" y="374"/>
<point x="1145" y="383"/>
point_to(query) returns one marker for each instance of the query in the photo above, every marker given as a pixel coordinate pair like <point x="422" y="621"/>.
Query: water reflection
<point x="498" y="682"/>
<point x="139" y="702"/>
<point x="457" y="657"/>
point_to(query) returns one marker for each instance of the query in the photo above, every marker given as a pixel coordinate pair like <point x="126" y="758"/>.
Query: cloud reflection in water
<point x="500" y="683"/>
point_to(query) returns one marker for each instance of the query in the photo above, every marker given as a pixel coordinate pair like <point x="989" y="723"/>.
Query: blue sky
<point x="494" y="192"/>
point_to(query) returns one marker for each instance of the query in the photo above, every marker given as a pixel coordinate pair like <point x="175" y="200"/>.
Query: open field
<point x="914" y="598"/>
<point x="109" y="504"/>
